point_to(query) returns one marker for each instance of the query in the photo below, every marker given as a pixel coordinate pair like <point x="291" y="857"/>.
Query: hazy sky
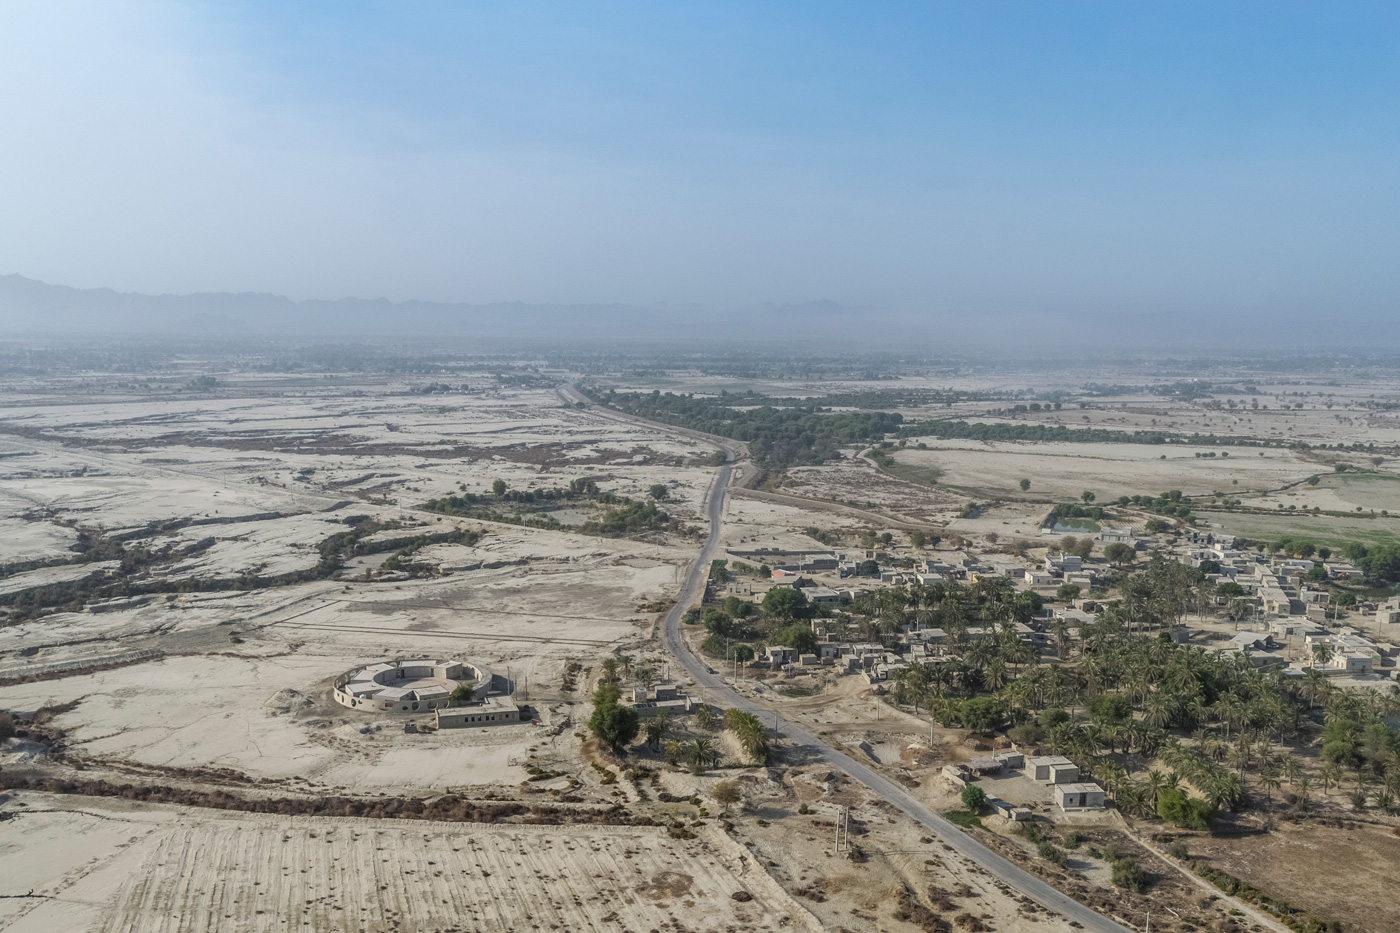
<point x="953" y="157"/>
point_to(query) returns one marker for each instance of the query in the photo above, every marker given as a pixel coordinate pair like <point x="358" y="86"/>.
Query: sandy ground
<point x="244" y="680"/>
<point x="106" y="866"/>
<point x="1063" y="471"/>
<point x="1289" y="862"/>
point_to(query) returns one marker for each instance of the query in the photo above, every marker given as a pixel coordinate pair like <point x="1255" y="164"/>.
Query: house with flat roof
<point x="493" y="711"/>
<point x="1051" y="769"/>
<point x="1118" y="536"/>
<point x="1084" y="795"/>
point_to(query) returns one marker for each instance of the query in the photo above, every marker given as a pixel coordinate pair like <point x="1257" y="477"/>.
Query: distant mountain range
<point x="29" y="307"/>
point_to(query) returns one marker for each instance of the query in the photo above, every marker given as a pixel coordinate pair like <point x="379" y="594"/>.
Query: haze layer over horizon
<point x="924" y="159"/>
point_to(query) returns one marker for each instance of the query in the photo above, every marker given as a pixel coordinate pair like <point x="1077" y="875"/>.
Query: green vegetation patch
<point x="1330" y="530"/>
<point x="964" y="818"/>
<point x="779" y="435"/>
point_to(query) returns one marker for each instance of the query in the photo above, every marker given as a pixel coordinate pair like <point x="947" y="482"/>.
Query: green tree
<point x="1175" y="806"/>
<point x="785" y="602"/>
<point x="1087" y="496"/>
<point x="612" y="723"/>
<point x="1025" y="485"/>
<point x="798" y="636"/>
<point x="973" y="799"/>
<point x="726" y="794"/>
<point x="1120" y="553"/>
<point x="982" y="714"/>
<point x="499" y="488"/>
<point x="658" y="491"/>
<point x="1110" y="709"/>
<point x="1067" y="592"/>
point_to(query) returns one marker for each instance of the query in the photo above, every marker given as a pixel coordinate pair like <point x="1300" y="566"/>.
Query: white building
<point x="494" y="711"/>
<point x="1079" y="796"/>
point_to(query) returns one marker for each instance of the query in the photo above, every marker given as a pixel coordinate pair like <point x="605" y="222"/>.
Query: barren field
<point x="1329" y="871"/>
<point x="1063" y="471"/>
<point x="104" y="866"/>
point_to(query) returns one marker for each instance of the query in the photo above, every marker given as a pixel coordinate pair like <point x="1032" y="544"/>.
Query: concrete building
<point x="417" y="685"/>
<point x="1118" y="536"/>
<point x="493" y="711"/>
<point x="1064" y="563"/>
<point x="778" y="655"/>
<point x="1044" y="769"/>
<point x="1351" y="653"/>
<point x="1079" y="796"/>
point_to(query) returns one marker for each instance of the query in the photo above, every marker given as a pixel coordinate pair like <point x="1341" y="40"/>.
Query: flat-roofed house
<point x="1079" y="796"/>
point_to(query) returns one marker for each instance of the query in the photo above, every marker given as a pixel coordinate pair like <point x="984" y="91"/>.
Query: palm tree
<point x="994" y="674"/>
<point x="1158" y="711"/>
<point x="656" y="729"/>
<point x="609" y="669"/>
<point x="1241" y="754"/>
<point x="675" y="749"/>
<point x="1303" y="786"/>
<point x="1227" y="790"/>
<point x="1291" y="769"/>
<point x="1321" y="654"/>
<point x="705" y="717"/>
<point x="1060" y="629"/>
<point x="1331" y="775"/>
<point x="1153" y="784"/>
<point x="1268" y="779"/>
<point x="702" y="754"/>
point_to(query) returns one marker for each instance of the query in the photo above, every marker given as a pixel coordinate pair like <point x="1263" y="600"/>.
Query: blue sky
<point x="938" y="158"/>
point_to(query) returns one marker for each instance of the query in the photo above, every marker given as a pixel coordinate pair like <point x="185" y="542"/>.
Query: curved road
<point x="966" y="846"/>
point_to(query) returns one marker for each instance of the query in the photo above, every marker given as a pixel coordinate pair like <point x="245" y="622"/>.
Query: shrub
<point x="1128" y="875"/>
<point x="1050" y="852"/>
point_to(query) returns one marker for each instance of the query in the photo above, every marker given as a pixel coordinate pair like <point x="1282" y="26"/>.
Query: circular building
<point x="409" y="686"/>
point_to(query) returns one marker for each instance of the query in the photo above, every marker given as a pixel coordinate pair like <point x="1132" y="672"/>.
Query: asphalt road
<point x="1024" y="882"/>
<point x="1019" y="879"/>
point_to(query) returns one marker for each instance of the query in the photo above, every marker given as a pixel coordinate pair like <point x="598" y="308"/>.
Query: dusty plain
<point x="212" y="503"/>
